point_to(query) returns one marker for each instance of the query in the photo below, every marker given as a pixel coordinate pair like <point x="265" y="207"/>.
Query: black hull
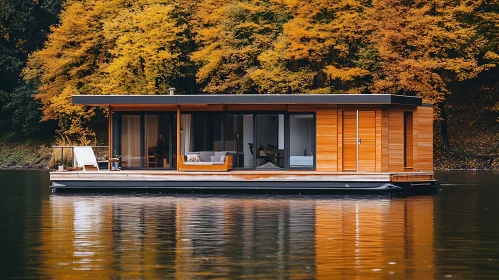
<point x="305" y="187"/>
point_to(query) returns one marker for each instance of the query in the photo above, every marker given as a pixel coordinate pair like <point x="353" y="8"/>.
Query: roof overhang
<point x="225" y="99"/>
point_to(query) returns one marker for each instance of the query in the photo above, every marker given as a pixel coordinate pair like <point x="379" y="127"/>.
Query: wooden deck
<point x="240" y="175"/>
<point x="238" y="179"/>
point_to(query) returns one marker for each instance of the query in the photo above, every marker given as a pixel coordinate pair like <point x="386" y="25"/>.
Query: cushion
<point x="206" y="156"/>
<point x="203" y="163"/>
<point x="219" y="154"/>
<point x="216" y="158"/>
<point x="193" y="158"/>
<point x="199" y="163"/>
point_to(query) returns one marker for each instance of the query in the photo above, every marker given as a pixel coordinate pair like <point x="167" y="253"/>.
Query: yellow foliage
<point x="106" y="47"/>
<point x="413" y="47"/>
<point x="348" y="74"/>
<point x="144" y="57"/>
<point x="231" y="35"/>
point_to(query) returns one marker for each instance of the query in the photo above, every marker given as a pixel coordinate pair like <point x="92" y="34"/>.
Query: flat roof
<point x="105" y="100"/>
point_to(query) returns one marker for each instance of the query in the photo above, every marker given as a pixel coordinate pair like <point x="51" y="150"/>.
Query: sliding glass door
<point x="262" y="141"/>
<point x="238" y="133"/>
<point x="270" y="144"/>
<point x="130" y="141"/>
<point x="147" y="140"/>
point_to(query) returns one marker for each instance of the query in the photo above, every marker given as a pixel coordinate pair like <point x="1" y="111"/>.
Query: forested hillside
<point x="444" y="51"/>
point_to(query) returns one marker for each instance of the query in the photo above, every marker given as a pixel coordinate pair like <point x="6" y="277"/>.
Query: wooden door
<point x="359" y="141"/>
<point x="367" y="141"/>
<point x="350" y="140"/>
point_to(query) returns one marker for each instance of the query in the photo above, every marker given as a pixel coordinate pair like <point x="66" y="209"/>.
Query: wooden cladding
<point x="389" y="139"/>
<point x="408" y="140"/>
<point x="327" y="140"/>
<point x="359" y="140"/>
<point x="423" y="138"/>
<point x="367" y="141"/>
<point x="396" y="140"/>
<point x="349" y="147"/>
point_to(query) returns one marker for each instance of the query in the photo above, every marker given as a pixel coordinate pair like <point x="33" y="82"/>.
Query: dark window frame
<point x="314" y="142"/>
<point x="117" y="131"/>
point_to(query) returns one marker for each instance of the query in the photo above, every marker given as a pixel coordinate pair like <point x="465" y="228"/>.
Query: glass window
<point x="130" y="141"/>
<point x="269" y="148"/>
<point x="301" y="140"/>
<point x="156" y="141"/>
<point x="238" y="132"/>
<point x="206" y="132"/>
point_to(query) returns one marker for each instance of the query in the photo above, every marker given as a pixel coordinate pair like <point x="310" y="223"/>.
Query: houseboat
<point x="299" y="142"/>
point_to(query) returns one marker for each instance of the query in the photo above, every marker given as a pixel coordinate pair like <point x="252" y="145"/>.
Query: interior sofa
<point x="208" y="161"/>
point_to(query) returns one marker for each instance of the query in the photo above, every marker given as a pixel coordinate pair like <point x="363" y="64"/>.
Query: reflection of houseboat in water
<point x="263" y="142"/>
<point x="192" y="237"/>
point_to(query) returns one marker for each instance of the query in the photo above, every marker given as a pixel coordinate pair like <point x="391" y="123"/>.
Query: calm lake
<point x="454" y="233"/>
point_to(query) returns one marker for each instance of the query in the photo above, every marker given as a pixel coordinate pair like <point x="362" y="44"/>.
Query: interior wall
<point x="300" y="136"/>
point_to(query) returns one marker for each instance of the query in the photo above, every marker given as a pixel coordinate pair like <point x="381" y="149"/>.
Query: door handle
<point x="359" y="141"/>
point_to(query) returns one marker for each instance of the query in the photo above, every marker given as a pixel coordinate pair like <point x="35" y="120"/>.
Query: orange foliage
<point x="414" y="47"/>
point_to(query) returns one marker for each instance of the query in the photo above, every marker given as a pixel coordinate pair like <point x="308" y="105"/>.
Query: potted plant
<point x="60" y="166"/>
<point x="115" y="161"/>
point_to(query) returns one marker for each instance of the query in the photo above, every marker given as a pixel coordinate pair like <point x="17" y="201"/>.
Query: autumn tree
<point x="106" y="47"/>
<point x="24" y="26"/>
<point x="410" y="47"/>
<point x="319" y="51"/>
<point x="147" y="51"/>
<point x="231" y="35"/>
<point x="425" y="47"/>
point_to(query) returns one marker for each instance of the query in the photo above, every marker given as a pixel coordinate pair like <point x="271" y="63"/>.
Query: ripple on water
<point x="452" y="234"/>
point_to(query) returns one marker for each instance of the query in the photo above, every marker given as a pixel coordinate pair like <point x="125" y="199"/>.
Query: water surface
<point x="452" y="234"/>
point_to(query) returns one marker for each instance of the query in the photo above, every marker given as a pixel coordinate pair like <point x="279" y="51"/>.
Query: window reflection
<point x="145" y="237"/>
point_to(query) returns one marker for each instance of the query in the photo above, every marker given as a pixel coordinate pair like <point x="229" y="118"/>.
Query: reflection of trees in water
<point x="206" y="236"/>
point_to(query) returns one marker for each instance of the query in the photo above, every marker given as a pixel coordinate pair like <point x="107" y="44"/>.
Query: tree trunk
<point x="443" y="127"/>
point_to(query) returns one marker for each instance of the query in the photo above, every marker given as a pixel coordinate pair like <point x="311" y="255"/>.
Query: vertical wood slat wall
<point x="385" y="117"/>
<point x="396" y="139"/>
<point x="408" y="140"/>
<point x="327" y="139"/>
<point x="423" y="138"/>
<point x="389" y="134"/>
<point x="349" y="140"/>
<point x="367" y="134"/>
<point x="376" y="133"/>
